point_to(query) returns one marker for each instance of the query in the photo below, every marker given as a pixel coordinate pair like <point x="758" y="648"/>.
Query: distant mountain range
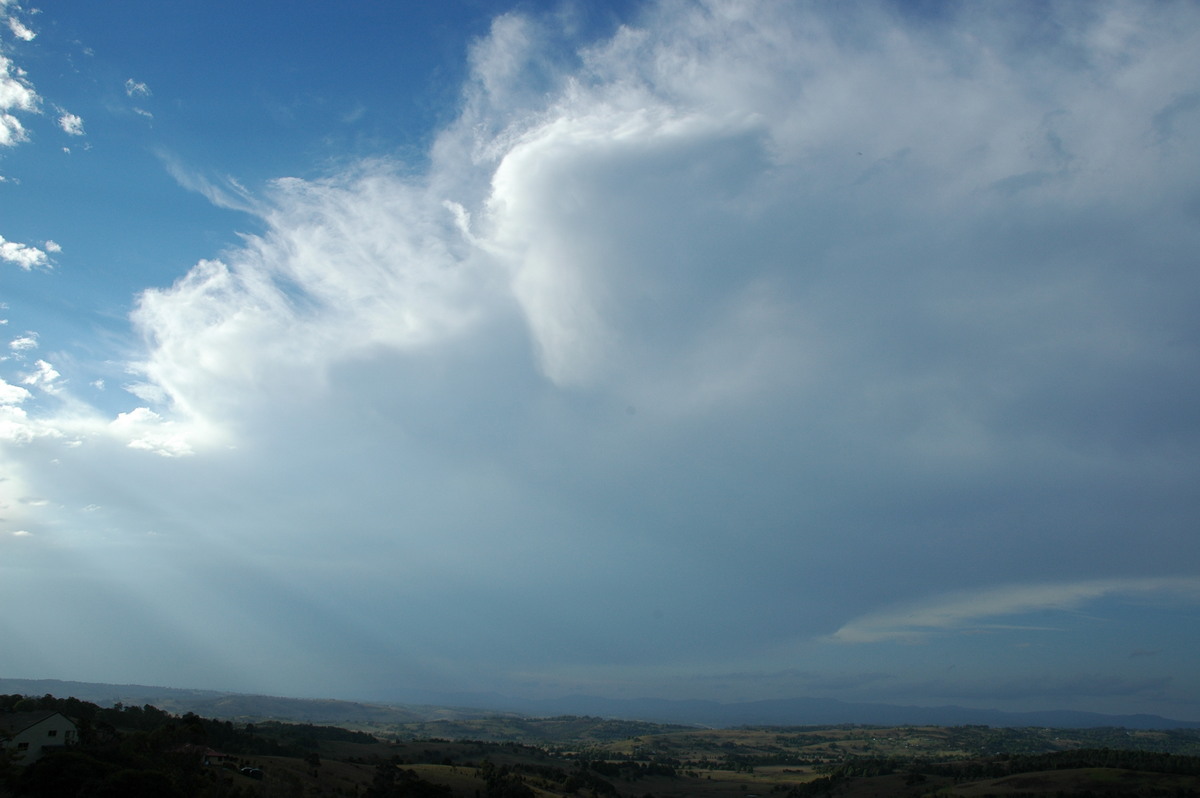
<point x="810" y="712"/>
<point x="778" y="712"/>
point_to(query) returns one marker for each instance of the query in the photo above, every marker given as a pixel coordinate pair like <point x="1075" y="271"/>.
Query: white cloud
<point x="44" y="376"/>
<point x="24" y="343"/>
<point x="959" y="611"/>
<point x="20" y="30"/>
<point x="144" y="429"/>
<point x="16" y="95"/>
<point x="11" y="130"/>
<point x="695" y="216"/>
<point x="24" y="255"/>
<point x="559" y="184"/>
<point x="12" y="394"/>
<point x="226" y="193"/>
<point x="71" y="124"/>
<point x="277" y="312"/>
<point x="134" y="88"/>
<point x="15" y="424"/>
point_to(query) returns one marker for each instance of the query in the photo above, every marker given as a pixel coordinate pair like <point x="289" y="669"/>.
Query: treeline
<point x="916" y="770"/>
<point x="270" y="738"/>
<point x="587" y="776"/>
<point x="144" y="751"/>
<point x="984" y="741"/>
<point x="508" y="780"/>
<point x="1145" y="761"/>
<point x="978" y="740"/>
<point x="392" y="780"/>
<point x="306" y="735"/>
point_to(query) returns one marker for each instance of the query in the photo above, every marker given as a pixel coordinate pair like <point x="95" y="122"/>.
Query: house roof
<point x="17" y="722"/>
<point x="192" y="748"/>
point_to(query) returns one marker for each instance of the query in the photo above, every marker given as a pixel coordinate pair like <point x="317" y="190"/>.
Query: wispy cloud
<point x="43" y="376"/>
<point x="135" y="88"/>
<point x="20" y="30"/>
<point x="225" y="193"/>
<point x="24" y="343"/>
<point x="961" y="611"/>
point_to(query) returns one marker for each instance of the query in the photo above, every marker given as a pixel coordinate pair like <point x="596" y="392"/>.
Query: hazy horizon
<point x="782" y="712"/>
<point x="694" y="350"/>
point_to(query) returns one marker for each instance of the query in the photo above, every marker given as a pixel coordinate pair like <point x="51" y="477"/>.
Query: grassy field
<point x="734" y="763"/>
<point x="136" y="750"/>
<point x="592" y="758"/>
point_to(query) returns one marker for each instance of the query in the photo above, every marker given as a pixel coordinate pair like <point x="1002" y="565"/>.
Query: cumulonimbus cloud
<point x="763" y="302"/>
<point x="717" y="153"/>
<point x="720" y="211"/>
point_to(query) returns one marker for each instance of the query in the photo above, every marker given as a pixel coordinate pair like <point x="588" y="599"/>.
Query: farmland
<point x="124" y="749"/>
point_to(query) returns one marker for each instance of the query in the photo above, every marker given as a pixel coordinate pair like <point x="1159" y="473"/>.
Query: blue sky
<point x="693" y="350"/>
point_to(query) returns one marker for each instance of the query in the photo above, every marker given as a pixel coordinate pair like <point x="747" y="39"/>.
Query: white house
<point x="28" y="734"/>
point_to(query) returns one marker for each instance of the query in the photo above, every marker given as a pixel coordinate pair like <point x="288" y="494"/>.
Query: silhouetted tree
<point x="393" y="781"/>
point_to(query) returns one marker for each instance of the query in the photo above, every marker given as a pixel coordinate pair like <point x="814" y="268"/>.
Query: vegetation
<point x="134" y="751"/>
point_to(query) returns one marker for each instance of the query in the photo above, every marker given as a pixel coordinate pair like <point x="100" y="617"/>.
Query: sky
<point x="707" y="350"/>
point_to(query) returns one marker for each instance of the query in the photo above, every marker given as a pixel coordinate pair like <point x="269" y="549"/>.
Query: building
<point x="28" y="734"/>
<point x="205" y="754"/>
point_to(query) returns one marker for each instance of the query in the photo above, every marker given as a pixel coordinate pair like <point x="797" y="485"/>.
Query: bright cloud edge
<point x="953" y="611"/>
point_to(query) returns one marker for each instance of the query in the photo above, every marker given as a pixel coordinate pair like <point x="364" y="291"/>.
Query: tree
<point x="8" y="769"/>
<point x="393" y="781"/>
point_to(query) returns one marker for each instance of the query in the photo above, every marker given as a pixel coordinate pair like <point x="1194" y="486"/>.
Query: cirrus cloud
<point x="959" y="611"/>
